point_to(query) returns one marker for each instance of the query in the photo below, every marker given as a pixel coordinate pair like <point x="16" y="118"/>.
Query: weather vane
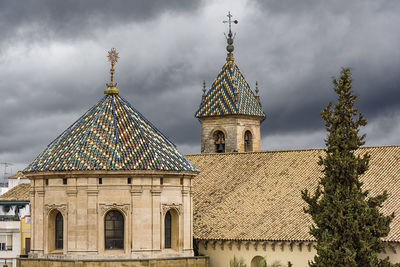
<point x="229" y="38"/>
<point x="113" y="58"/>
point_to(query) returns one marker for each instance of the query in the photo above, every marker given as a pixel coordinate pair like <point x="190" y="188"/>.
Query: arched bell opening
<point x="248" y="142"/>
<point x="219" y="142"/>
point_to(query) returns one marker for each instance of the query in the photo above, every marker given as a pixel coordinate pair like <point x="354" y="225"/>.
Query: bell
<point x="220" y="148"/>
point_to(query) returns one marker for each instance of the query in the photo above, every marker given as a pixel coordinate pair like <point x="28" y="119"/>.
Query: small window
<point x="64" y="180"/>
<point x="47" y="181"/>
<point x="100" y="180"/>
<point x="5" y="242"/>
<point x="129" y="180"/>
<point x="114" y="230"/>
<point x="181" y="181"/>
<point x="248" y="142"/>
<point x="161" y="180"/>
<point x="59" y="231"/>
<point x="167" y="234"/>
<point x="219" y="142"/>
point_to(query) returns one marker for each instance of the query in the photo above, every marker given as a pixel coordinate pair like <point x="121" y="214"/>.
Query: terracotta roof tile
<point x="17" y="193"/>
<point x="256" y="196"/>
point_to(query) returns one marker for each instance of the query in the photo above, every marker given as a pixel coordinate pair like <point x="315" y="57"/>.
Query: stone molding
<point x="40" y="192"/>
<point x="60" y="207"/>
<point x="72" y="192"/>
<point x="166" y="207"/>
<point x="155" y="192"/>
<point x="105" y="207"/>
<point x="92" y="192"/>
<point x="256" y="244"/>
<point x="136" y="192"/>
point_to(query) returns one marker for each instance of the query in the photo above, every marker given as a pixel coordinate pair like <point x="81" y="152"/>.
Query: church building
<point x="247" y="202"/>
<point x="112" y="190"/>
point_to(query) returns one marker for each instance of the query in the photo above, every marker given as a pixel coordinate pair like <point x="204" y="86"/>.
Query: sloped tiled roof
<point x="17" y="174"/>
<point x="112" y="135"/>
<point x="17" y="193"/>
<point x="220" y="99"/>
<point x="256" y="196"/>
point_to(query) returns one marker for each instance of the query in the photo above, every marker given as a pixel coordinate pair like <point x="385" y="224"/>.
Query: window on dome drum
<point x="100" y="180"/>
<point x="167" y="233"/>
<point x="114" y="230"/>
<point x="129" y="180"/>
<point x="47" y="181"/>
<point x="248" y="142"/>
<point x="64" y="180"/>
<point x="219" y="142"/>
<point x="59" y="234"/>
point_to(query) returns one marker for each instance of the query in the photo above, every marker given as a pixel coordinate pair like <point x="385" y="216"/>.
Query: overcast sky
<point x="53" y="65"/>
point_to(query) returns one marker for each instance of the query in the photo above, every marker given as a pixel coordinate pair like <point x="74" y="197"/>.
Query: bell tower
<point x="230" y="112"/>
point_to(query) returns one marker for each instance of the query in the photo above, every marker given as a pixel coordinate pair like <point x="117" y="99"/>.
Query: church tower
<point x="230" y="113"/>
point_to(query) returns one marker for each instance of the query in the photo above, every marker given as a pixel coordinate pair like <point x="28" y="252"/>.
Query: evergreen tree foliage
<point x="348" y="225"/>
<point x="235" y="262"/>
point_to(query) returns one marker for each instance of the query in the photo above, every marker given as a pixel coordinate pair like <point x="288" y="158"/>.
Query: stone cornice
<point x="113" y="173"/>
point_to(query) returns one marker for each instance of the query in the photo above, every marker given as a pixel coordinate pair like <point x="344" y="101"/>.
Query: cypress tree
<point x="347" y="223"/>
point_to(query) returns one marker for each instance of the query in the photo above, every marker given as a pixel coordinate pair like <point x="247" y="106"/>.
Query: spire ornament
<point x="257" y="88"/>
<point x="204" y="87"/>
<point x="230" y="37"/>
<point x="113" y="58"/>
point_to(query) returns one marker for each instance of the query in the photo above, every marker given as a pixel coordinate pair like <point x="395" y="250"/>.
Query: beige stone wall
<point x="221" y="252"/>
<point x="180" y="262"/>
<point x="84" y="204"/>
<point x="234" y="128"/>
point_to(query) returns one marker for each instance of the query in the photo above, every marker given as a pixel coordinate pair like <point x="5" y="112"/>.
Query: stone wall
<point x="298" y="253"/>
<point x="84" y="202"/>
<point x="233" y="128"/>
<point x="175" y="262"/>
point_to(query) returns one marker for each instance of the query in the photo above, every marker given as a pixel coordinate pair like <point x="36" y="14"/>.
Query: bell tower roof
<point x="230" y="94"/>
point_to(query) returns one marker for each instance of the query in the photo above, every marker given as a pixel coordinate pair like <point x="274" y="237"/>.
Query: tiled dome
<point x="112" y="135"/>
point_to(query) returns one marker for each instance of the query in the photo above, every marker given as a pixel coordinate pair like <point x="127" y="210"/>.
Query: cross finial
<point x="229" y="38"/>
<point x="229" y="21"/>
<point x="113" y="58"/>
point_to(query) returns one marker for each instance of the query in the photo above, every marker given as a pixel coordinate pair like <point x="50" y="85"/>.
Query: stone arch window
<point x="219" y="141"/>
<point x="59" y="231"/>
<point x="114" y="230"/>
<point x="258" y="261"/>
<point x="171" y="229"/>
<point x="248" y="141"/>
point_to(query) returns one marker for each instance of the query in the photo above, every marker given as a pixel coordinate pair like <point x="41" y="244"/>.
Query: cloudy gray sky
<point x="53" y="65"/>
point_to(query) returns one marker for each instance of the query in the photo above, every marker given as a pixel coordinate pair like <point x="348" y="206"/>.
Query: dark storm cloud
<point x="309" y="41"/>
<point x="53" y="67"/>
<point x="48" y="19"/>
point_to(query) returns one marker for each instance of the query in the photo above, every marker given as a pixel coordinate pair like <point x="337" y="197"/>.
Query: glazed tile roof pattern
<point x="112" y="135"/>
<point x="220" y="99"/>
<point x="17" y="193"/>
<point x="256" y="196"/>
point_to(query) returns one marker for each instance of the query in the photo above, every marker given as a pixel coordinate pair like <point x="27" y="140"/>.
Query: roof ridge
<point x="282" y="150"/>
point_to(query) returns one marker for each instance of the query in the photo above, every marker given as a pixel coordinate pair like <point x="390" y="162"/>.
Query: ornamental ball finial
<point x="113" y="58"/>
